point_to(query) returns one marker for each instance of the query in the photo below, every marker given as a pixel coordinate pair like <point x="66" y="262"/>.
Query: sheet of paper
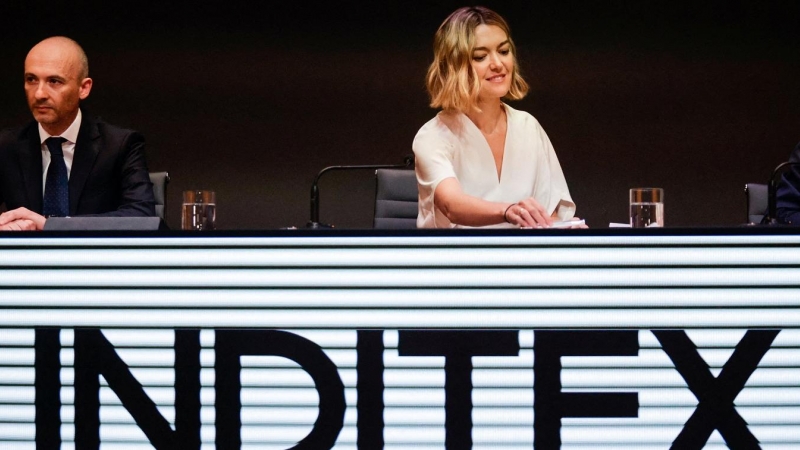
<point x="561" y="224"/>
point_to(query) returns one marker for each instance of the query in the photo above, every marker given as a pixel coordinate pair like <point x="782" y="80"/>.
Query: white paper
<point x="561" y="224"/>
<point x="619" y="225"/>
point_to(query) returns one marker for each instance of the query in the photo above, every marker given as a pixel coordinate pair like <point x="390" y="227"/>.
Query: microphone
<point x="314" y="223"/>
<point x="772" y="191"/>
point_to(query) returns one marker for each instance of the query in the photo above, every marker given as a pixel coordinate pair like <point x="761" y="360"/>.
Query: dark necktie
<point x="56" y="187"/>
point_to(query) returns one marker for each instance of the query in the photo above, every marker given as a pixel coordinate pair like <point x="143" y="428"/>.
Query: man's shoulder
<point x="8" y="136"/>
<point x="98" y="123"/>
<point x="11" y="136"/>
<point x="97" y="127"/>
<point x="795" y="155"/>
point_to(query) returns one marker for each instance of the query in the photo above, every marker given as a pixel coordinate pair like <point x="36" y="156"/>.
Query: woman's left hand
<point x="528" y="213"/>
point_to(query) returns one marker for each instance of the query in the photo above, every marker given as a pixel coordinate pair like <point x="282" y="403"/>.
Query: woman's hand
<point x="528" y="213"/>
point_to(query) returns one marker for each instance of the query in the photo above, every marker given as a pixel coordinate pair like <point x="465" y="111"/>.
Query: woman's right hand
<point x="528" y="213"/>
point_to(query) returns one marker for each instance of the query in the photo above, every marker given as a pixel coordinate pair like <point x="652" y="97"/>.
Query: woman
<point x="479" y="162"/>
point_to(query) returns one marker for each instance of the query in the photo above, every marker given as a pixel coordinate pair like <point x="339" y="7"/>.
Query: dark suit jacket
<point x="108" y="177"/>
<point x="788" y="196"/>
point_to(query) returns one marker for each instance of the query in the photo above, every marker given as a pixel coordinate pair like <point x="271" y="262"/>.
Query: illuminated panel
<point x="138" y="291"/>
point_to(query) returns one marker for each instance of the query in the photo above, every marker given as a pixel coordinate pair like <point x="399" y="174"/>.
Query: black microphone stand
<point x="314" y="223"/>
<point x="772" y="192"/>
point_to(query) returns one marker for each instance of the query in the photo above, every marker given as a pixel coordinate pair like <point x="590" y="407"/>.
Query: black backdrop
<point x="251" y="99"/>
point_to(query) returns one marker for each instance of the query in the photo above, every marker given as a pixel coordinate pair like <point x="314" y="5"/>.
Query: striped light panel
<point x="610" y="315"/>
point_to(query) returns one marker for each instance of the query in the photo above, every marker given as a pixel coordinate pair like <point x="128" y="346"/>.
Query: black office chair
<point x="757" y="202"/>
<point x="160" y="181"/>
<point x="396" y="196"/>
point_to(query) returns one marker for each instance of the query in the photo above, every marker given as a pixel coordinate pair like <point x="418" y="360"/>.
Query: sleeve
<point x="5" y="163"/>
<point x="558" y="197"/>
<point x="433" y="157"/>
<point x="433" y="160"/>
<point x="788" y="195"/>
<point x="134" y="196"/>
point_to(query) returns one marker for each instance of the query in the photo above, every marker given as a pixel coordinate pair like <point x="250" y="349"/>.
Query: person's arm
<point x="136" y="197"/>
<point x="21" y="219"/>
<point x="464" y="209"/>
<point x="550" y="185"/>
<point x="788" y="195"/>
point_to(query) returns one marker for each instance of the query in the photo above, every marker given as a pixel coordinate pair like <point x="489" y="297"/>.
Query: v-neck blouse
<point x="451" y="146"/>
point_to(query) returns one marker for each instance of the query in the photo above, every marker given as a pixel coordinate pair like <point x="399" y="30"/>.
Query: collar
<point x="70" y="134"/>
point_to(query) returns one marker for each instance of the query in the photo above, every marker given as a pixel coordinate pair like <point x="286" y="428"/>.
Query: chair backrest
<point x="756" y="195"/>
<point x="160" y="181"/>
<point x="396" y="197"/>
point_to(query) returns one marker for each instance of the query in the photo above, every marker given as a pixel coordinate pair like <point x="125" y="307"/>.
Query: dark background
<point x="252" y="99"/>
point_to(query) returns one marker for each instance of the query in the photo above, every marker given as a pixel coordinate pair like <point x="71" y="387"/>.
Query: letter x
<point x="715" y="410"/>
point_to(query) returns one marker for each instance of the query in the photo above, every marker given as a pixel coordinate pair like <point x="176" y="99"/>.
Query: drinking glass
<point x="647" y="207"/>
<point x="198" y="212"/>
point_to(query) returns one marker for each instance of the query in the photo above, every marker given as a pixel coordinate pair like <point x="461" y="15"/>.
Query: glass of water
<point x="647" y="207"/>
<point x="198" y="212"/>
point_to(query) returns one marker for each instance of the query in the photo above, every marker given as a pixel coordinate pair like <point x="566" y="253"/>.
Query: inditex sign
<point x="423" y="342"/>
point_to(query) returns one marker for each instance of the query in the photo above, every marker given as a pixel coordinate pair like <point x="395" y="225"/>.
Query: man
<point x="66" y="163"/>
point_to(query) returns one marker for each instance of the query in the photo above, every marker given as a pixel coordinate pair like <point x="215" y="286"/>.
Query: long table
<point x="574" y="339"/>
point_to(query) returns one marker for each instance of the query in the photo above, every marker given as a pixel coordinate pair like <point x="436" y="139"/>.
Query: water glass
<point x="198" y="212"/>
<point x="647" y="207"/>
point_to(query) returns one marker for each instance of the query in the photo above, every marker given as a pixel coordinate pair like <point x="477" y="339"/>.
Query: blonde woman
<point x="479" y="162"/>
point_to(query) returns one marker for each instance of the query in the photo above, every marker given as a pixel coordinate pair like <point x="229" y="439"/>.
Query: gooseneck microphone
<point x="408" y="161"/>
<point x="772" y="191"/>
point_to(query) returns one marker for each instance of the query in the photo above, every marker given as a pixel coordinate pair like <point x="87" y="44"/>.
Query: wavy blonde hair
<point x="451" y="81"/>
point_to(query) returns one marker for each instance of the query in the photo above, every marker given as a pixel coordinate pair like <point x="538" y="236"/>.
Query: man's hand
<point x="19" y="225"/>
<point x="21" y="219"/>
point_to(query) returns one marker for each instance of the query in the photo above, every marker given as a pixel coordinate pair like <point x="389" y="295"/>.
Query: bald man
<point x="65" y="163"/>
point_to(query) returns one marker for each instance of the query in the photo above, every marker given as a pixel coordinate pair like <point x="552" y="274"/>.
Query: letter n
<point x="95" y="356"/>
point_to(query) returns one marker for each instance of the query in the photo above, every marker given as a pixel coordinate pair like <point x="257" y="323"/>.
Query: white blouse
<point x="451" y="146"/>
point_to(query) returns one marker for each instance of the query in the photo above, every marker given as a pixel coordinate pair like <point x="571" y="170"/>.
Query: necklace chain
<point x="495" y="128"/>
